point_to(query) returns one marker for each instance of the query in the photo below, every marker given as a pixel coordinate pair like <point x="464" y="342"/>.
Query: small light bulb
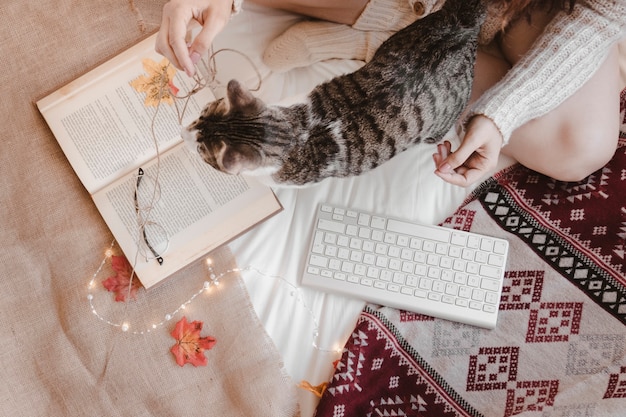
<point x="206" y="285"/>
<point x="108" y="253"/>
<point x="125" y="327"/>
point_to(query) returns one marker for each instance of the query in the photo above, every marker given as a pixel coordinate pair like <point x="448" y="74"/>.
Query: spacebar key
<point x="428" y="232"/>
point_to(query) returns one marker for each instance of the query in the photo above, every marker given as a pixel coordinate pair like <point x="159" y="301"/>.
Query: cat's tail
<point x="467" y="13"/>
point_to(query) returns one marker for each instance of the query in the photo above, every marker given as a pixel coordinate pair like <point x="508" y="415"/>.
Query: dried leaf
<point x="157" y="83"/>
<point x="318" y="390"/>
<point x="119" y="283"/>
<point x="190" y="347"/>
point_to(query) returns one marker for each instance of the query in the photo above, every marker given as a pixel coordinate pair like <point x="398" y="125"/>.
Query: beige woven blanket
<point x="57" y="358"/>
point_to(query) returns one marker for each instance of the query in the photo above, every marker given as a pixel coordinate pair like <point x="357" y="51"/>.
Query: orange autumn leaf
<point x="157" y="83"/>
<point x="190" y="346"/>
<point x="120" y="282"/>
<point x="318" y="390"/>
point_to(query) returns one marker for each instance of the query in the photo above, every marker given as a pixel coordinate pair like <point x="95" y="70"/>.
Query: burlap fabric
<point x="56" y="357"/>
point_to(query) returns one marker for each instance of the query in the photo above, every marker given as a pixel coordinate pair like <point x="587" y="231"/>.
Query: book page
<point x="105" y="127"/>
<point x="186" y="209"/>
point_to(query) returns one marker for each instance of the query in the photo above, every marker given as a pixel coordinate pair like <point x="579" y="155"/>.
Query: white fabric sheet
<point x="275" y="250"/>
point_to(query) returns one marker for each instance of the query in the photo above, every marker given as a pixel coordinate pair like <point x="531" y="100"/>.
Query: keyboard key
<point x="447" y="299"/>
<point x="439" y="286"/>
<point x="407" y="290"/>
<point x="317" y="260"/>
<point x="452" y="289"/>
<point x="390" y="238"/>
<point x="380" y="284"/>
<point x="490" y="308"/>
<point x="458" y="239"/>
<point x="478" y="295"/>
<point x="373" y="272"/>
<point x="465" y="292"/>
<point x="429" y="232"/>
<point x="434" y="296"/>
<point x="334" y="264"/>
<point x="486" y="244"/>
<point x="491" y="297"/>
<point x="500" y="247"/>
<point x="378" y="222"/>
<point x="420" y="294"/>
<point x="489" y="284"/>
<point x="386" y="275"/>
<point x="395" y="264"/>
<point x="473" y="281"/>
<point x="399" y="278"/>
<point x="411" y="280"/>
<point x="496" y="260"/>
<point x="473" y="242"/>
<point x="340" y="276"/>
<point x="393" y="287"/>
<point x="415" y="243"/>
<point x="356" y="256"/>
<point x="356" y="243"/>
<point x="347" y="267"/>
<point x="331" y="226"/>
<point x="490" y="271"/>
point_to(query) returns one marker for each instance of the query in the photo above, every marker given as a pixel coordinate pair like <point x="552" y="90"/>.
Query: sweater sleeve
<point x="564" y="57"/>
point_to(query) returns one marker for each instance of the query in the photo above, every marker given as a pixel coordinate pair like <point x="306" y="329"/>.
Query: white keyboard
<point x="432" y="270"/>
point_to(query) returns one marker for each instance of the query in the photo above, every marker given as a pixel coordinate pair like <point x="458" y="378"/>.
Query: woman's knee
<point x="582" y="152"/>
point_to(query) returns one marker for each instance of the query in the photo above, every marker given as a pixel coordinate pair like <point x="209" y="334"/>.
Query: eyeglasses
<point x="154" y="238"/>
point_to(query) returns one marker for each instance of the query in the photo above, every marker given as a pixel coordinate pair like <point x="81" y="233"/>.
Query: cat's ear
<point x="235" y="161"/>
<point x="240" y="98"/>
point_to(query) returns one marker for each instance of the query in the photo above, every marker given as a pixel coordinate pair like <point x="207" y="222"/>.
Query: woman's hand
<point x="477" y="155"/>
<point x="172" y="40"/>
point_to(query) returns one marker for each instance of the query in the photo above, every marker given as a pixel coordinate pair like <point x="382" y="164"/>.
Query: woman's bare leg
<point x="338" y="11"/>
<point x="580" y="135"/>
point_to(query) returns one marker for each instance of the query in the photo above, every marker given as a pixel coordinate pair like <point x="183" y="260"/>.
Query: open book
<point x="165" y="207"/>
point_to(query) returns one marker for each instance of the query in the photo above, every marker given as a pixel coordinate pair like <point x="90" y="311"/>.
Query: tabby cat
<point x="414" y="89"/>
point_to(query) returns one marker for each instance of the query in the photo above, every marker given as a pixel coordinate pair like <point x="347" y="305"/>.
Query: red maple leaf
<point x="120" y="282"/>
<point x="190" y="347"/>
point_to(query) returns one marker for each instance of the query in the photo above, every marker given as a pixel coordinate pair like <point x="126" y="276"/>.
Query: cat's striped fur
<point x="413" y="90"/>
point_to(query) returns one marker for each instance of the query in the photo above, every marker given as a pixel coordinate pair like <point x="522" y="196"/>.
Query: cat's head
<point x="230" y="132"/>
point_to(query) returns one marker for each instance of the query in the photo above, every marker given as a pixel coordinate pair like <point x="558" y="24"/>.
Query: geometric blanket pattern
<point x="559" y="348"/>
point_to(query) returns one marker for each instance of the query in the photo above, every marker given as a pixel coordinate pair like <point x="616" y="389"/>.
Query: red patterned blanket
<point x="560" y="345"/>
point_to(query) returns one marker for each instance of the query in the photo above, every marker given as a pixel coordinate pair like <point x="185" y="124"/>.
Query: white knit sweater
<point x="566" y="55"/>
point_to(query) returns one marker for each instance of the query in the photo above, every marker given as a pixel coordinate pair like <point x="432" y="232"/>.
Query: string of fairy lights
<point x="208" y="286"/>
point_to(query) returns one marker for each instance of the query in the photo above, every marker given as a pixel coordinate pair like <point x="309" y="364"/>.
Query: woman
<point x="546" y="89"/>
